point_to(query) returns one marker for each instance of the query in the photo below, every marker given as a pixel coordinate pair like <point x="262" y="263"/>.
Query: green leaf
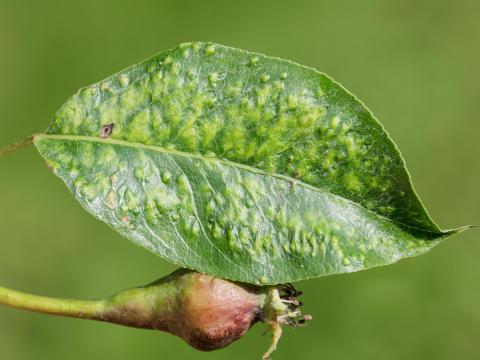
<point x="239" y="165"/>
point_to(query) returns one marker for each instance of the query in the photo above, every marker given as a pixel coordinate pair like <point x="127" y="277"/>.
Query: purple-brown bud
<point x="208" y="313"/>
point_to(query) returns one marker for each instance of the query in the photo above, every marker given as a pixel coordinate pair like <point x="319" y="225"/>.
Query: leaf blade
<point x="247" y="113"/>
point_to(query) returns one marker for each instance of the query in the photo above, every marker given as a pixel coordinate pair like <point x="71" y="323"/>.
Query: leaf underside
<point x="239" y="165"/>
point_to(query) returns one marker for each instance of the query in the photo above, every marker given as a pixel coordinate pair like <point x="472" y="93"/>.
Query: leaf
<point x="239" y="165"/>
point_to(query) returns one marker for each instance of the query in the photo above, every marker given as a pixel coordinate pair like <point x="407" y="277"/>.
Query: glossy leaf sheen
<point x="238" y="165"/>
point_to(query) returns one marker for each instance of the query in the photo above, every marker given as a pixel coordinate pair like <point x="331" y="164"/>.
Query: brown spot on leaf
<point x="112" y="200"/>
<point x="107" y="130"/>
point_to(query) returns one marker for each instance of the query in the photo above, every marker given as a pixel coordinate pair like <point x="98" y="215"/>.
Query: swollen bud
<point x="208" y="313"/>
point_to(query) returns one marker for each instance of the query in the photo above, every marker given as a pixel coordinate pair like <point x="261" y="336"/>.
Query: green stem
<point x="16" y="146"/>
<point x="86" y="309"/>
<point x="208" y="313"/>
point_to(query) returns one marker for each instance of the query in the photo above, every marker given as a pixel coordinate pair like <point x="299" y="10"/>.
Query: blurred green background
<point x="414" y="63"/>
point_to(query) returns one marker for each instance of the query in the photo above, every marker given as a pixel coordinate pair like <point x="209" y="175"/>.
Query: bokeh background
<point x="415" y="63"/>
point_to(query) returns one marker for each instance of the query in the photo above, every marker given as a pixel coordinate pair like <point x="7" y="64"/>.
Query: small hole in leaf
<point x="107" y="130"/>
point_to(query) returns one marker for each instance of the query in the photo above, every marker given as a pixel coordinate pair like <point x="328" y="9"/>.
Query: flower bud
<point x="208" y="313"/>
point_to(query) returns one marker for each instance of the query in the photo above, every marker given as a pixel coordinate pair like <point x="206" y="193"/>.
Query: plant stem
<point x="16" y="146"/>
<point x="208" y="313"/>
<point x="86" y="309"/>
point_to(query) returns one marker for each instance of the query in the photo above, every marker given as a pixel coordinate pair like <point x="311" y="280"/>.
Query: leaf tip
<point x="456" y="231"/>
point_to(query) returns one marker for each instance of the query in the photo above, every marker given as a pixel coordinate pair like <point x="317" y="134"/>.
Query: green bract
<point x="239" y="165"/>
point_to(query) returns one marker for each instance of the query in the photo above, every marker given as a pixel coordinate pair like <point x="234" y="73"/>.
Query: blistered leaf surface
<point x="239" y="165"/>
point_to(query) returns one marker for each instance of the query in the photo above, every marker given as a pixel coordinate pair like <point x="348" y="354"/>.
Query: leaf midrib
<point x="252" y="169"/>
<point x="183" y="154"/>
